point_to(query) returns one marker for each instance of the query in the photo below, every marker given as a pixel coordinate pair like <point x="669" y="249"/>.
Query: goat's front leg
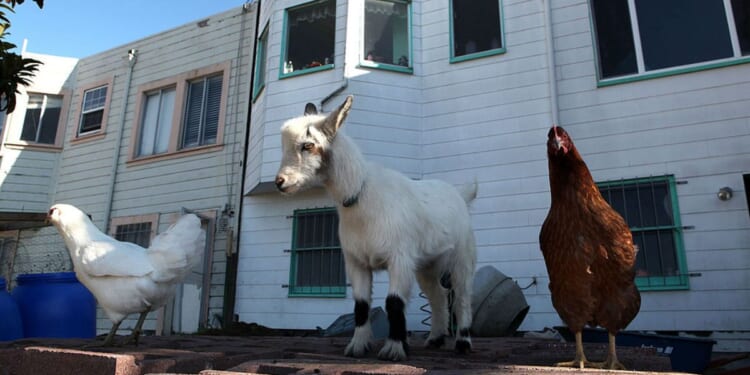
<point x="361" y="279"/>
<point x="400" y="281"/>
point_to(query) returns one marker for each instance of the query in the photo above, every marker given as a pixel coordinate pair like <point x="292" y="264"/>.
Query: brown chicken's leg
<point x="580" y="358"/>
<point x="611" y="362"/>
<point x="137" y="330"/>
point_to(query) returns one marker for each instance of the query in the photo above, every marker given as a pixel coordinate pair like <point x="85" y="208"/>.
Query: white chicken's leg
<point x="110" y="339"/>
<point x="133" y="337"/>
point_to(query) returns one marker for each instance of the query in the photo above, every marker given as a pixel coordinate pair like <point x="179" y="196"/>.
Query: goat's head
<point x="305" y="145"/>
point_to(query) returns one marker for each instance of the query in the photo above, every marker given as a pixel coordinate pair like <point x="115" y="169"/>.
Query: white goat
<point x="386" y="221"/>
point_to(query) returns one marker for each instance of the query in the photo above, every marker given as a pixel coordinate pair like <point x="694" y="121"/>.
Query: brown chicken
<point x="588" y="250"/>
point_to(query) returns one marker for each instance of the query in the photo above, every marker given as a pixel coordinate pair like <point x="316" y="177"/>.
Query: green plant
<point x="14" y="69"/>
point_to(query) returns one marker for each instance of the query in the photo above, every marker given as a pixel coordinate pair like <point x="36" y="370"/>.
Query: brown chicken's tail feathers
<point x="177" y="250"/>
<point x="469" y="191"/>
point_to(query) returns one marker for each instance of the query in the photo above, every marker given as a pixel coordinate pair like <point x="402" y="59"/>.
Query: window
<point x="309" y="35"/>
<point x="42" y="119"/>
<point x="259" y="81"/>
<point x="156" y="122"/>
<point x="476" y="29"/>
<point x="317" y="267"/>
<point x="202" y="111"/>
<point x="180" y="115"/>
<point x="650" y="208"/>
<point x="637" y="37"/>
<point x="387" y="39"/>
<point x="92" y="111"/>
<point x="135" y="229"/>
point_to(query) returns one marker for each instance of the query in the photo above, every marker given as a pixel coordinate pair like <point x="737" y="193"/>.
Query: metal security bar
<point x="137" y="233"/>
<point x="317" y="264"/>
<point x="649" y="206"/>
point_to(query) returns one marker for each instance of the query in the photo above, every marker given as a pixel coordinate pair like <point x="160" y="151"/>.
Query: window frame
<point x="135" y="219"/>
<point x="101" y="132"/>
<point x="312" y="291"/>
<point x="261" y="52"/>
<point x="181" y="83"/>
<point x="14" y="136"/>
<point x="363" y="62"/>
<point x="477" y="55"/>
<point x="641" y="73"/>
<point x="285" y="42"/>
<point x="659" y="283"/>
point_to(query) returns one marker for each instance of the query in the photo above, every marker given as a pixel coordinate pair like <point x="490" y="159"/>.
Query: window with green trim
<point x="649" y="206"/>
<point x="387" y="35"/>
<point x="309" y="37"/>
<point x="259" y="80"/>
<point x="476" y="29"/>
<point x="317" y="266"/>
<point x="639" y="37"/>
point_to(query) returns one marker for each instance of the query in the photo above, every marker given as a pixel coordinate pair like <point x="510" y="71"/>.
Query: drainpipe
<point x="551" y="73"/>
<point x="118" y="143"/>
<point x="230" y="277"/>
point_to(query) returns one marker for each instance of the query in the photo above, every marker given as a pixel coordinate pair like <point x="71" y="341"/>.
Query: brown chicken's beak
<point x="557" y="141"/>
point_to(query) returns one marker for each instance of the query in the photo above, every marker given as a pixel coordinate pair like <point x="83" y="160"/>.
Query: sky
<point x="81" y="28"/>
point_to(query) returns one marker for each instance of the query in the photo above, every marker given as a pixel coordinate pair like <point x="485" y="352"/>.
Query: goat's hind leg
<point x="361" y="279"/>
<point x="429" y="282"/>
<point x="462" y="279"/>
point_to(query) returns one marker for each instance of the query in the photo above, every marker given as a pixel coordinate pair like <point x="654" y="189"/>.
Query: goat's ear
<point x="310" y="109"/>
<point x="335" y="119"/>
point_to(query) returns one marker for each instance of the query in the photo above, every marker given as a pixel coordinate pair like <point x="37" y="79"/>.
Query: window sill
<point x="657" y="283"/>
<point x="21" y="145"/>
<point x="87" y="138"/>
<point x="477" y="55"/>
<point x="174" y="154"/>
<point x="672" y="71"/>
<point x="388" y="67"/>
<point x="305" y="71"/>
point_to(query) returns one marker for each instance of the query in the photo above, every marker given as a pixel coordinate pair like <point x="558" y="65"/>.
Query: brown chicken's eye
<point x="307" y="146"/>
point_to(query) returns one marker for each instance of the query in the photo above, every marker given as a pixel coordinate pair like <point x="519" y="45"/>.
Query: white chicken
<point x="124" y="277"/>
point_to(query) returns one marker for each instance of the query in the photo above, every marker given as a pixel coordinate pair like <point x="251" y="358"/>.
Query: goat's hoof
<point x="394" y="350"/>
<point x="435" y="343"/>
<point x="356" y="349"/>
<point x="463" y="346"/>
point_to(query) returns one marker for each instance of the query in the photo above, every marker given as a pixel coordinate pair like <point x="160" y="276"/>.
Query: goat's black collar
<point x="351" y="201"/>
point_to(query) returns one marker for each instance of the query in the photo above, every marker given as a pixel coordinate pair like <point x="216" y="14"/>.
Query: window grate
<point x="317" y="264"/>
<point x="649" y="206"/>
<point x="137" y="233"/>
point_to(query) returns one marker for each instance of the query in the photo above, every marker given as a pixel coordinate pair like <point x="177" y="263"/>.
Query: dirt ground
<point x="300" y="354"/>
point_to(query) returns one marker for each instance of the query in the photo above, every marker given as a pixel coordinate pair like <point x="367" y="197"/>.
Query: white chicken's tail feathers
<point x="177" y="250"/>
<point x="469" y="191"/>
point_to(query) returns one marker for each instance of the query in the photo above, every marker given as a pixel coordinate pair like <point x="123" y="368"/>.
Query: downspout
<point x="132" y="58"/>
<point x="230" y="278"/>
<point x="551" y="72"/>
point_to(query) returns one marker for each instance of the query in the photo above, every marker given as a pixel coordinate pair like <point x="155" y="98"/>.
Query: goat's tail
<point x="469" y="191"/>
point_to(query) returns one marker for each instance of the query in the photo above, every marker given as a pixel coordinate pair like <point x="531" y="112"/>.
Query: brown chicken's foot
<point x="580" y="360"/>
<point x="611" y="363"/>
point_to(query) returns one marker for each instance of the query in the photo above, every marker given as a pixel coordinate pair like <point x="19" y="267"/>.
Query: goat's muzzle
<point x="280" y="183"/>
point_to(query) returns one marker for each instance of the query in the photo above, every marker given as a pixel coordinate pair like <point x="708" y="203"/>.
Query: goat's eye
<point x="307" y="146"/>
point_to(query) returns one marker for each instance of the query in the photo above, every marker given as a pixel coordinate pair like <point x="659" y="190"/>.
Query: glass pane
<point x="213" y="109"/>
<point x="138" y="233"/>
<point x="94" y="98"/>
<point x="50" y="120"/>
<point x="310" y="36"/>
<point x="322" y="265"/>
<point x="614" y="37"/>
<point x="91" y="121"/>
<point x="387" y="32"/>
<point x="148" y="125"/>
<point x="680" y="32"/>
<point x="164" y="130"/>
<point x="260" y="68"/>
<point x="31" y="124"/>
<point x="476" y="26"/>
<point x="193" y="114"/>
<point x="741" y="10"/>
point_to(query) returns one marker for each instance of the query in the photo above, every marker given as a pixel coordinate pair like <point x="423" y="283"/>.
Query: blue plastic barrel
<point x="11" y="327"/>
<point x="55" y="305"/>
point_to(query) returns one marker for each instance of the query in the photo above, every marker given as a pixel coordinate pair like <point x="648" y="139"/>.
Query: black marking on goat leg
<point x="394" y="305"/>
<point x="463" y="346"/>
<point x="361" y="312"/>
